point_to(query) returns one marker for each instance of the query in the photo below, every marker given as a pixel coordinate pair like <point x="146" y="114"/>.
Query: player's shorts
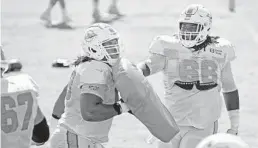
<point x="189" y="137"/>
<point x="62" y="138"/>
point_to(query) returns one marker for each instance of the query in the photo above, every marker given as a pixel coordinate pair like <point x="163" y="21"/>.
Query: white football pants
<point x="189" y="137"/>
<point x="62" y="138"/>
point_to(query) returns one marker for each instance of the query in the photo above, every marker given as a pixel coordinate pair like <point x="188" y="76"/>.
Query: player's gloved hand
<point x="124" y="102"/>
<point x="232" y="131"/>
<point x="121" y="107"/>
<point x="234" y="122"/>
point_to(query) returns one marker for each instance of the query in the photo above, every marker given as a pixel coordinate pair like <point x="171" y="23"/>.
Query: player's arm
<point x="59" y="106"/>
<point x="92" y="107"/>
<point x="231" y="97"/>
<point x="40" y="133"/>
<point x="93" y="85"/>
<point x="156" y="61"/>
<point x="41" y="129"/>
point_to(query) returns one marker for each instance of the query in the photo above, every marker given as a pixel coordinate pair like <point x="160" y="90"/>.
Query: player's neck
<point x="202" y="45"/>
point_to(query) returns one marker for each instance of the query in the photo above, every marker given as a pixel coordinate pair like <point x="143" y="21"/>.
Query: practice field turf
<point x="24" y="37"/>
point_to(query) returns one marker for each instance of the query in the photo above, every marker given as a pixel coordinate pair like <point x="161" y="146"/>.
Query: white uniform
<point x="19" y="109"/>
<point x="73" y="131"/>
<point x="193" y="81"/>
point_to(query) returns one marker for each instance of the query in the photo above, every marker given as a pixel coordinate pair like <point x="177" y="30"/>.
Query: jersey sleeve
<point x="39" y="116"/>
<point x="157" y="59"/>
<point x="59" y="106"/>
<point x="227" y="79"/>
<point x="93" y="80"/>
<point x="155" y="63"/>
<point x="34" y="85"/>
<point x="228" y="48"/>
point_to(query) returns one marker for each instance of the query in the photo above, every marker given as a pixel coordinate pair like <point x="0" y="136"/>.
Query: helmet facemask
<point x="194" y="25"/>
<point x="112" y="48"/>
<point x="190" y="34"/>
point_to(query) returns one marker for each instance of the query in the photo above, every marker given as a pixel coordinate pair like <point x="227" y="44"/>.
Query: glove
<point x="121" y="107"/>
<point x="232" y="131"/>
<point x="234" y="122"/>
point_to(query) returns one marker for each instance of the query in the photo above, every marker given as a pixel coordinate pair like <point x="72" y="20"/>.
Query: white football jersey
<point x="19" y="108"/>
<point x="89" y="77"/>
<point x="193" y="80"/>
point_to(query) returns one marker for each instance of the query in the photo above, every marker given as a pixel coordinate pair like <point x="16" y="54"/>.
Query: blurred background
<point x="25" y="37"/>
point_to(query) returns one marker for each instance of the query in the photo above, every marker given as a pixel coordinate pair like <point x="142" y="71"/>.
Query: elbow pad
<point x="41" y="132"/>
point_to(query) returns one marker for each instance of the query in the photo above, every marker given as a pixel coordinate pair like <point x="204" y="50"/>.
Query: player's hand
<point x="124" y="107"/>
<point x="232" y="131"/>
<point x="121" y="107"/>
<point x="129" y="109"/>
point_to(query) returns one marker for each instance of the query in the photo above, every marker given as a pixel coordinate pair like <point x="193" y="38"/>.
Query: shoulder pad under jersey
<point x="94" y="72"/>
<point x="23" y="81"/>
<point x="162" y="44"/>
<point x="226" y="47"/>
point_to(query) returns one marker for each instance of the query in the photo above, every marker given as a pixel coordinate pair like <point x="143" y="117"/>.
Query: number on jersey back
<point x="16" y="111"/>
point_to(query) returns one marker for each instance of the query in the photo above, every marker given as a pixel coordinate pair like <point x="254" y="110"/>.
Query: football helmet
<point x="222" y="140"/>
<point x="194" y="25"/>
<point x="102" y="42"/>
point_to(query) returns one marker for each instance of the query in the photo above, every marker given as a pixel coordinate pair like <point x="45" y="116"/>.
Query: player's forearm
<point x="101" y="112"/>
<point x="59" y="106"/>
<point x="232" y="104"/>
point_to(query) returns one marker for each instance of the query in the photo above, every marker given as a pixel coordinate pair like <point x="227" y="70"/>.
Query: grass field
<point x="25" y="38"/>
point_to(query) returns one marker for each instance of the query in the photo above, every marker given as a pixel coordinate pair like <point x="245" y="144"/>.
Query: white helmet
<point x="101" y="42"/>
<point x="222" y="140"/>
<point x="194" y="25"/>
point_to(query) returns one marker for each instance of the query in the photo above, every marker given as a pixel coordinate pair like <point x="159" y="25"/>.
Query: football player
<point x="46" y="16"/>
<point x="91" y="100"/>
<point x="196" y="67"/>
<point x="13" y="64"/>
<point x="222" y="140"/>
<point x="113" y="12"/>
<point x="22" y="122"/>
